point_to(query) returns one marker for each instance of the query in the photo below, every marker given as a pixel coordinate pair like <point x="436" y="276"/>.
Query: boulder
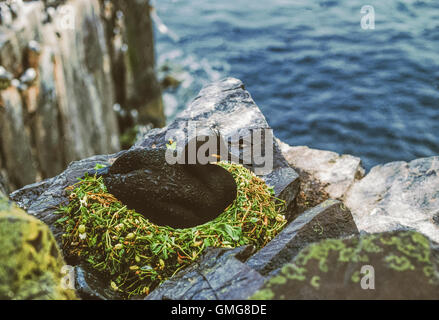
<point x="30" y="260"/>
<point x="398" y="195"/>
<point x="331" y="219"/>
<point x="336" y="173"/>
<point x="218" y="275"/>
<point x="394" y="265"/>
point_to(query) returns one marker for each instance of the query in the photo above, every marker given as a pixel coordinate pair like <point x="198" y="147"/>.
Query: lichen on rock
<point x="30" y="261"/>
<point x="403" y="262"/>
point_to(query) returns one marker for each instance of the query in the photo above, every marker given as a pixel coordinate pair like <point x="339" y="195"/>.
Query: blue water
<point x="320" y="79"/>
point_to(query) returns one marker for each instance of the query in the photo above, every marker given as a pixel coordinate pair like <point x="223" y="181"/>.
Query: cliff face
<point x="129" y="37"/>
<point x="62" y="72"/>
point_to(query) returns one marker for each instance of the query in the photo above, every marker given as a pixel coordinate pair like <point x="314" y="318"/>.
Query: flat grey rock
<point x="218" y="275"/>
<point x="398" y="196"/>
<point x="337" y="173"/>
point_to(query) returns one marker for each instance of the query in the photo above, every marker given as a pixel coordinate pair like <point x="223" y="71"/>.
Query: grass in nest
<point x="137" y="255"/>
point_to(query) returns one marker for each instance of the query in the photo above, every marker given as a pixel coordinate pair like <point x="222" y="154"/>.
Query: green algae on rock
<point x="137" y="255"/>
<point x="30" y="261"/>
<point x="404" y="267"/>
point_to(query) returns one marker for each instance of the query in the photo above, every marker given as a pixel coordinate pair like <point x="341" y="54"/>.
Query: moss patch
<point x="138" y="255"/>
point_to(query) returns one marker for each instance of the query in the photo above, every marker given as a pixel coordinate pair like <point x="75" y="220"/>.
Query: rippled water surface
<point x="320" y="79"/>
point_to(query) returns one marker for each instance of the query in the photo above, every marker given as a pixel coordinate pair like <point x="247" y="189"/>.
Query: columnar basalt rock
<point x="129" y="34"/>
<point x="57" y="83"/>
<point x="58" y="107"/>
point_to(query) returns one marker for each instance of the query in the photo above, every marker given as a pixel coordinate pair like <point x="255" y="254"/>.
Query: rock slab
<point x="219" y="275"/>
<point x="331" y="219"/>
<point x="337" y="173"/>
<point x="396" y="196"/>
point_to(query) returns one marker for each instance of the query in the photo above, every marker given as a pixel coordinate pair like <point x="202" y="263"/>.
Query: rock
<point x="67" y="91"/>
<point x="398" y="195"/>
<point x="69" y="79"/>
<point x="218" y="275"/>
<point x="336" y="173"/>
<point x="170" y="81"/>
<point x="3" y="184"/>
<point x="3" y="180"/>
<point x="225" y="103"/>
<point x="33" y="54"/>
<point x="69" y="76"/>
<point x="395" y="265"/>
<point x="30" y="261"/>
<point x="90" y="287"/>
<point x="133" y="59"/>
<point x="331" y="219"/>
<point x="16" y="141"/>
<point x="41" y="199"/>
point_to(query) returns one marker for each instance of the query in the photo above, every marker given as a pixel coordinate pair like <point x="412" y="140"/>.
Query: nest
<point x="136" y="255"/>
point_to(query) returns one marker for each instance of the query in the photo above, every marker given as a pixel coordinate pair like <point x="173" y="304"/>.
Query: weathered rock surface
<point x="58" y="106"/>
<point x="63" y="111"/>
<point x="405" y="266"/>
<point x="15" y="145"/>
<point x="337" y="173"/>
<point x="398" y="195"/>
<point x="130" y="38"/>
<point x="218" y="275"/>
<point x="328" y="220"/>
<point x="226" y="104"/>
<point x="41" y="199"/>
<point x="90" y="287"/>
<point x="30" y="261"/>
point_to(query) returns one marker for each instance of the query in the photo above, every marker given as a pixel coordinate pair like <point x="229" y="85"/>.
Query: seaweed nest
<point x="137" y="255"/>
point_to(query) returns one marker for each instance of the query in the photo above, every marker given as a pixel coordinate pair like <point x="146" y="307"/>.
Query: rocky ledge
<point x="349" y="235"/>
